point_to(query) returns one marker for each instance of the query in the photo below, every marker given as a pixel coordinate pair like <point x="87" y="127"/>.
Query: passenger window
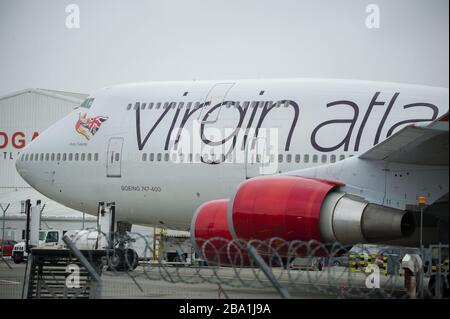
<point x="96" y="157"/>
<point x="83" y="157"/>
<point x="152" y="157"/>
<point x="22" y="157"/>
<point x="31" y="157"/>
<point x="26" y="157"/>
<point x="166" y="157"/>
<point x="129" y="106"/>
<point x="159" y="157"/>
<point x="174" y="157"/>
<point x="191" y="158"/>
<point x="333" y="158"/>
<point x="137" y="105"/>
<point x="41" y="157"/>
<point x="158" y="105"/>
<point x="58" y="157"/>
<point x="280" y="158"/>
<point x="64" y="157"/>
<point x="89" y="157"/>
<point x="297" y="158"/>
<point x="144" y="157"/>
<point x="289" y="158"/>
<point x="77" y="157"/>
<point x="47" y="157"/>
<point x="341" y="157"/>
<point x="324" y="158"/>
<point x="150" y="105"/>
<point x="52" y="157"/>
<point x="143" y="105"/>
<point x="306" y="158"/>
<point x="70" y="157"/>
<point x="315" y="158"/>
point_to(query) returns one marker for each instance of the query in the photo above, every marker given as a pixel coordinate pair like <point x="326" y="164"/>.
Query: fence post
<point x="268" y="272"/>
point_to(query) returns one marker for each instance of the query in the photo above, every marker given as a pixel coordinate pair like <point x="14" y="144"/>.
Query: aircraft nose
<point x="23" y="167"/>
<point x="18" y="164"/>
<point x="27" y="164"/>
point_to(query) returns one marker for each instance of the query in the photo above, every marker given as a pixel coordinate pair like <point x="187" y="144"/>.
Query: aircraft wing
<point x="415" y="144"/>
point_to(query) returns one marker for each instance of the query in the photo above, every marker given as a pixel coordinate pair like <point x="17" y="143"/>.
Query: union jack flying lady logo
<point x="87" y="126"/>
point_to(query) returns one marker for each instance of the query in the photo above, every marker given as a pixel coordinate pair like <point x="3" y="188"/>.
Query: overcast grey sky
<point x="129" y="41"/>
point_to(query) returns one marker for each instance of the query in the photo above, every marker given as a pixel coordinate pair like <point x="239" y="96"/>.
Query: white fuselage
<point x="121" y="149"/>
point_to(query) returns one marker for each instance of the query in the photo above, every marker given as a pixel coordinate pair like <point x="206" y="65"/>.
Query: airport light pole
<point x="422" y="204"/>
<point x="3" y="234"/>
<point x="83" y="220"/>
<point x="3" y="227"/>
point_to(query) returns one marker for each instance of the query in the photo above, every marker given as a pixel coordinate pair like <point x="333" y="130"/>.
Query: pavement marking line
<point x="9" y="282"/>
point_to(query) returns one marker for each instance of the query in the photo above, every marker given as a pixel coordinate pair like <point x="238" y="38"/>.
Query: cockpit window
<point x="87" y="103"/>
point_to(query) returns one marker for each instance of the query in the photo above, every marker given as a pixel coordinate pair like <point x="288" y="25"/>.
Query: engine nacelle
<point x="298" y="208"/>
<point x="278" y="206"/>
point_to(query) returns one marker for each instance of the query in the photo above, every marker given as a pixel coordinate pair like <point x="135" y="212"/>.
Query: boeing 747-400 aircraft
<point x="300" y="159"/>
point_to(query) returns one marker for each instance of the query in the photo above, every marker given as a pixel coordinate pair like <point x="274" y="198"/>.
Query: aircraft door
<point x="215" y="96"/>
<point x="261" y="155"/>
<point x="114" y="158"/>
<point x="255" y="151"/>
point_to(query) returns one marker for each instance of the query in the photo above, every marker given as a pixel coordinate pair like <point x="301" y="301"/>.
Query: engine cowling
<point x="298" y="208"/>
<point x="278" y="206"/>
